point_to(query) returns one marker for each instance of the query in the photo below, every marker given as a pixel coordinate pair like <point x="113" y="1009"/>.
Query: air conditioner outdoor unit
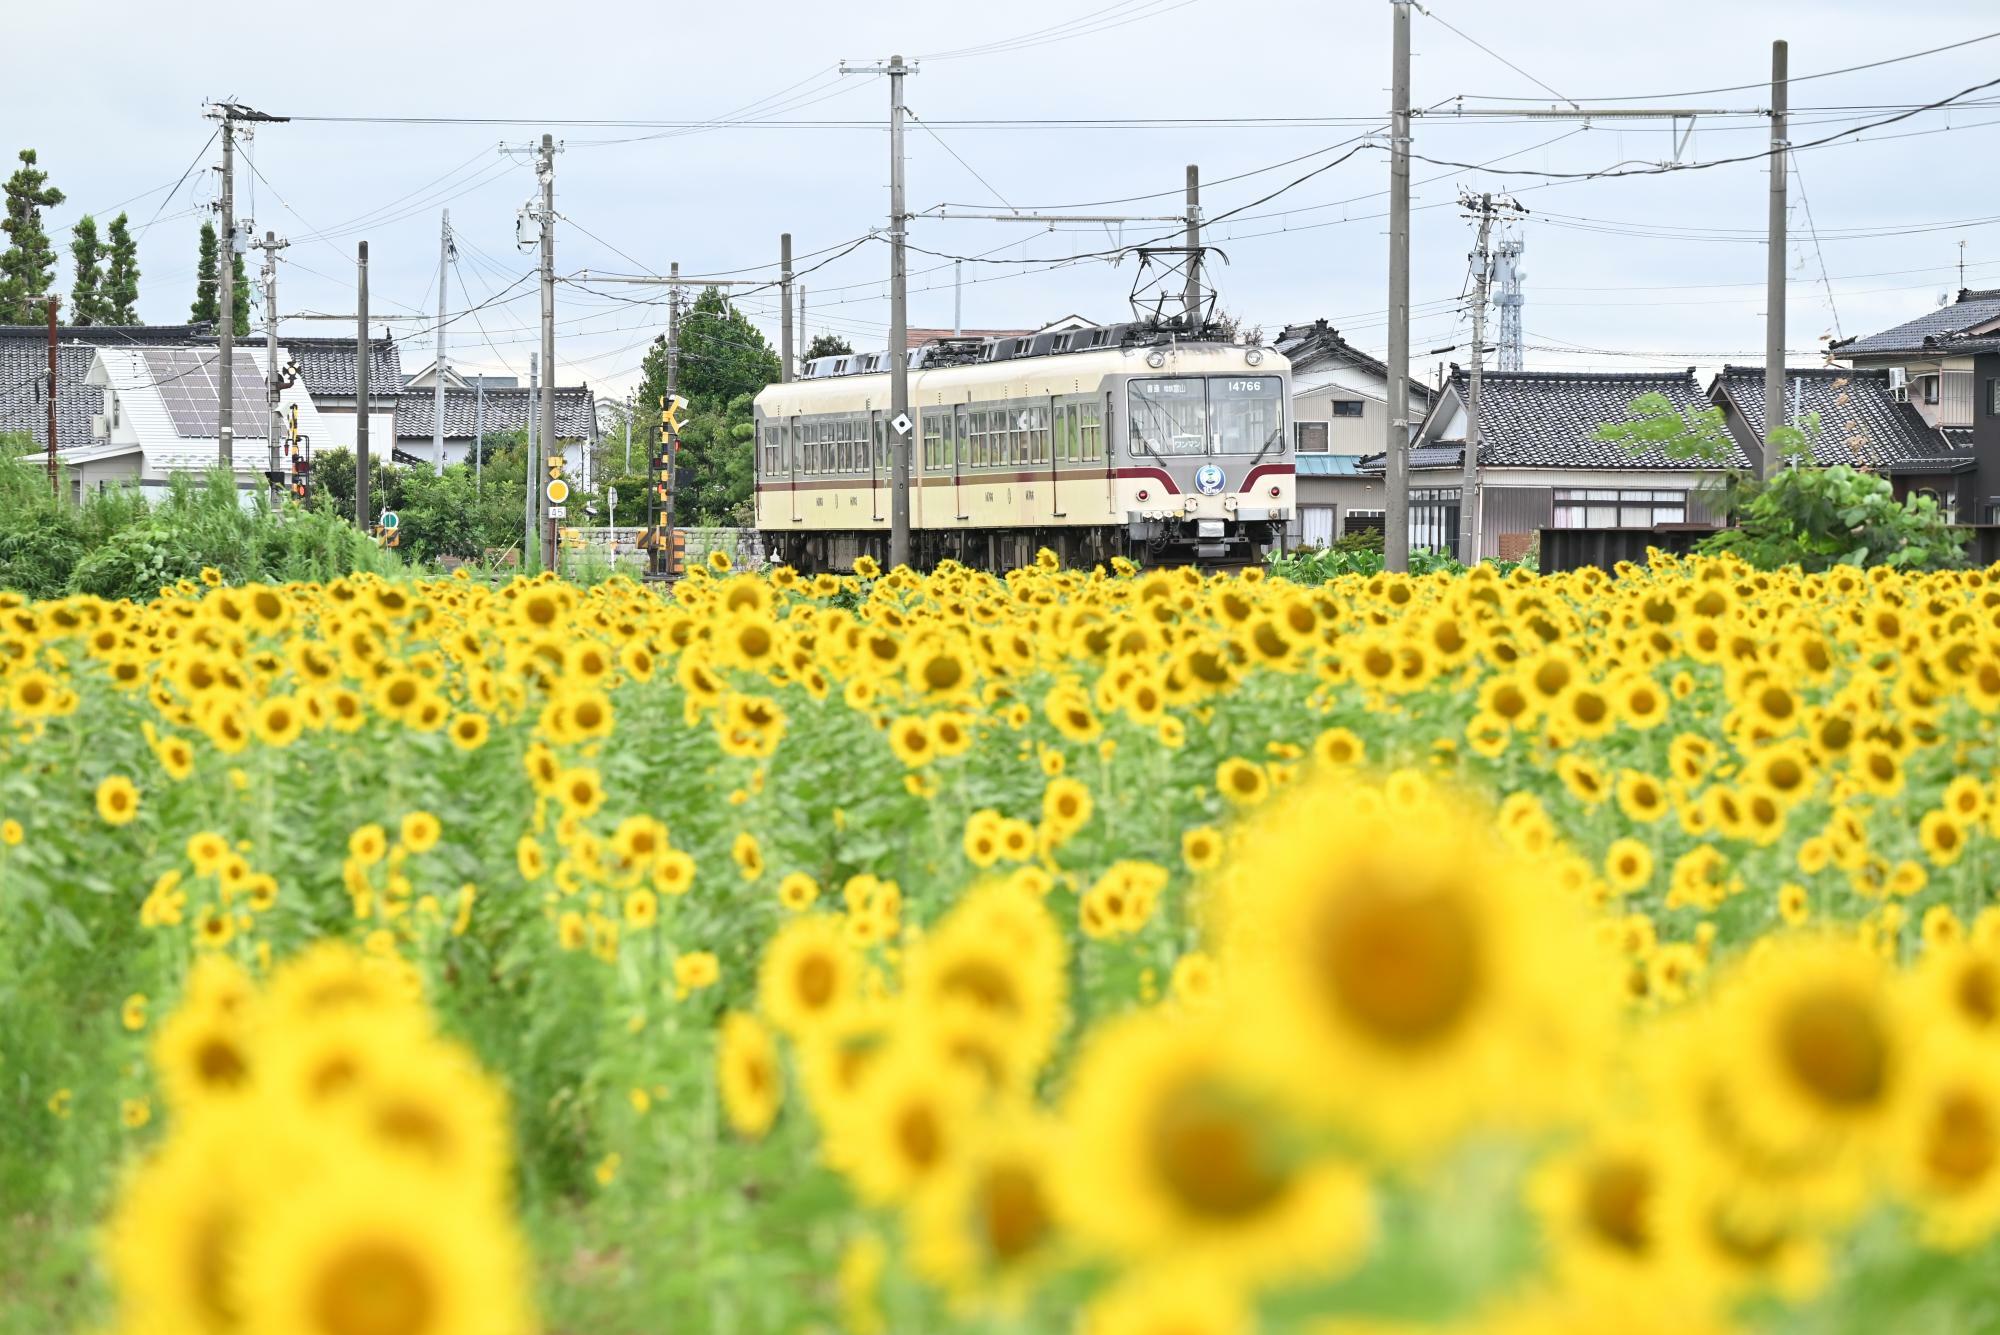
<point x="100" y="427"/>
<point x="1899" y="384"/>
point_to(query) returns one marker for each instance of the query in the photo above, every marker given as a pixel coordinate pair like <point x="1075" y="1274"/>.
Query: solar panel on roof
<point x="186" y="380"/>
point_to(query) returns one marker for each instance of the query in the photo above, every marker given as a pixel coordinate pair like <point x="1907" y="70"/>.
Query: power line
<point x="961" y="161"/>
<point x="1761" y="84"/>
<point x="178" y="184"/>
<point x="1442" y="21"/>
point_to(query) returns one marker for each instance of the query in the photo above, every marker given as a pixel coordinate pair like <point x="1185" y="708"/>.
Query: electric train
<point x="1120" y="440"/>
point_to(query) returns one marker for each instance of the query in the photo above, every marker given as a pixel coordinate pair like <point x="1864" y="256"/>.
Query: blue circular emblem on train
<point x="1208" y="479"/>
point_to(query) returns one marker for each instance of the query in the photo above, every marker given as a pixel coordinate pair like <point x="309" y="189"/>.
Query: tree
<point x="86" y="293"/>
<point x="828" y="345"/>
<point x="1817" y="518"/>
<point x="240" y="290"/>
<point x="207" y="308"/>
<point x="1698" y="435"/>
<point x="120" y="293"/>
<point x="28" y="265"/>
<point x="724" y="361"/>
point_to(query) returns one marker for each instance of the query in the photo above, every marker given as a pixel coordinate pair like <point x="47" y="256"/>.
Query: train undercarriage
<point x="1149" y="544"/>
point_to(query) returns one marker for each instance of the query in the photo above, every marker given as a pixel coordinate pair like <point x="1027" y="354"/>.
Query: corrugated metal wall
<point x="1513" y="510"/>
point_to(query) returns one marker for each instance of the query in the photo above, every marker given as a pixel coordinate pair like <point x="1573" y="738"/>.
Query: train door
<point x="961" y="432"/>
<point x="794" y="448"/>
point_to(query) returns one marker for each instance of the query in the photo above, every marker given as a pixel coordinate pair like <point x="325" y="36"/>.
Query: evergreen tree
<point x="828" y="345"/>
<point x="28" y="265"/>
<point x="86" y="299"/>
<point x="207" y="308"/>
<point x="120" y="293"/>
<point x="240" y="311"/>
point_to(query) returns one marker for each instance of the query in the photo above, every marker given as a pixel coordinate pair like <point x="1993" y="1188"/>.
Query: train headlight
<point x="1229" y="502"/>
<point x="1156" y="359"/>
<point x="1190" y="503"/>
<point x="1254" y="357"/>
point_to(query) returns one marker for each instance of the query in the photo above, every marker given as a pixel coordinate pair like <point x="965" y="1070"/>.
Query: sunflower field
<point x="1111" y="952"/>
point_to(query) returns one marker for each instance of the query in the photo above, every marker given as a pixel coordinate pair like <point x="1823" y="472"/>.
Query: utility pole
<point x="531" y="545"/>
<point x="479" y="436"/>
<point x="1468" y="492"/>
<point x="228" y="114"/>
<point x="361" y="391"/>
<point x="437" y="368"/>
<point x="546" y="171"/>
<point x="1396" y="516"/>
<point x="628" y="431"/>
<point x="54" y="488"/>
<point x="1471" y="517"/>
<point x="225" y="282"/>
<point x="1774" y="270"/>
<point x="784" y="330"/>
<point x="957" y="297"/>
<point x="899" y="318"/>
<point x="271" y="245"/>
<point x="1191" y="301"/>
<point x="805" y="344"/>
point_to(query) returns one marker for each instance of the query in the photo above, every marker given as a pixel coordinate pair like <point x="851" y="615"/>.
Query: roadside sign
<point x="391" y="520"/>
<point x="901" y="422"/>
<point x="558" y="512"/>
<point x="556" y="490"/>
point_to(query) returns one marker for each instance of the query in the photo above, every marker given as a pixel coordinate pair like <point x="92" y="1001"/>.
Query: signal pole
<point x="899" y="317"/>
<point x="546" y="171"/>
<point x="1774" y="262"/>
<point x="530" y="541"/>
<point x="1396" y="512"/>
<point x="271" y="245"/>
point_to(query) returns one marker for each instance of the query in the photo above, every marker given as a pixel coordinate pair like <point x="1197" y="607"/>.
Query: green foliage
<point x="461" y="515"/>
<point x="1698" y="435"/>
<point x="1317" y="565"/>
<point x="207" y="307"/>
<point x="1817" y="518"/>
<point x="28" y="265"/>
<point x="86" y="294"/>
<point x="240" y="290"/>
<point x="119" y="296"/>
<point x="828" y="345"/>
<point x="724" y="361"/>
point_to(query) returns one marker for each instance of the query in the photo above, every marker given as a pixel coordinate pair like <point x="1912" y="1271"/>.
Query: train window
<point x="979" y="439"/>
<point x="1090" y="433"/>
<point x="960" y="427"/>
<point x="1246" y="414"/>
<point x="881" y="445"/>
<point x="1066" y="432"/>
<point x="1038" y="419"/>
<point x="1169" y="417"/>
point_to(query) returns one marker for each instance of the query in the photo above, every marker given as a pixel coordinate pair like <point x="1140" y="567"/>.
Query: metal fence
<point x="621" y="546"/>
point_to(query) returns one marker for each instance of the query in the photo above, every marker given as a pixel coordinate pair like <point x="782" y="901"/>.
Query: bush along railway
<point x="1120" y="440"/>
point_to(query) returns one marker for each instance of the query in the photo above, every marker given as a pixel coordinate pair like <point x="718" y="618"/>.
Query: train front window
<point x="1246" y="414"/>
<point x="1169" y="417"/>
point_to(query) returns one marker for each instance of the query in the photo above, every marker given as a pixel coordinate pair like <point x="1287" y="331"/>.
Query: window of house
<point x="1614" y="507"/>
<point x="1993" y="396"/>
<point x="1316" y="525"/>
<point x="1930" y="389"/>
<point x="1347" y="407"/>
<point x="1311" y="437"/>
<point x="1363" y="521"/>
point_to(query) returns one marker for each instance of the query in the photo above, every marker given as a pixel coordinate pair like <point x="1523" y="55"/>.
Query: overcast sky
<point x="1666" y="266"/>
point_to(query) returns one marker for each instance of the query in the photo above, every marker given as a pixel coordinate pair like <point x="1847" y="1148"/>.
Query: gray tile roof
<point x="1422" y="458"/>
<point x="506" y="410"/>
<point x="24" y="360"/>
<point x="1973" y="308"/>
<point x="326" y="365"/>
<point x="1549" y="419"/>
<point x="1308" y="345"/>
<point x="1860" y="421"/>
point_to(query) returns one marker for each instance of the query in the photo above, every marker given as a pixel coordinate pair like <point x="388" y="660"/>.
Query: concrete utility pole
<point x="1774" y="270"/>
<point x="805" y="344"/>
<point x="437" y="368"/>
<point x="1396" y="512"/>
<point x="271" y="245"/>
<point x="546" y="171"/>
<point x="361" y="520"/>
<point x="784" y="325"/>
<point x="1191" y="301"/>
<point x="628" y="431"/>
<point x="900" y="422"/>
<point x="957" y="297"/>
<point x="225" y="282"/>
<point x="54" y="487"/>
<point x="531" y="544"/>
<point x="671" y="446"/>
<point x="1468" y="492"/>
<point x="478" y="435"/>
<point x="674" y="329"/>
